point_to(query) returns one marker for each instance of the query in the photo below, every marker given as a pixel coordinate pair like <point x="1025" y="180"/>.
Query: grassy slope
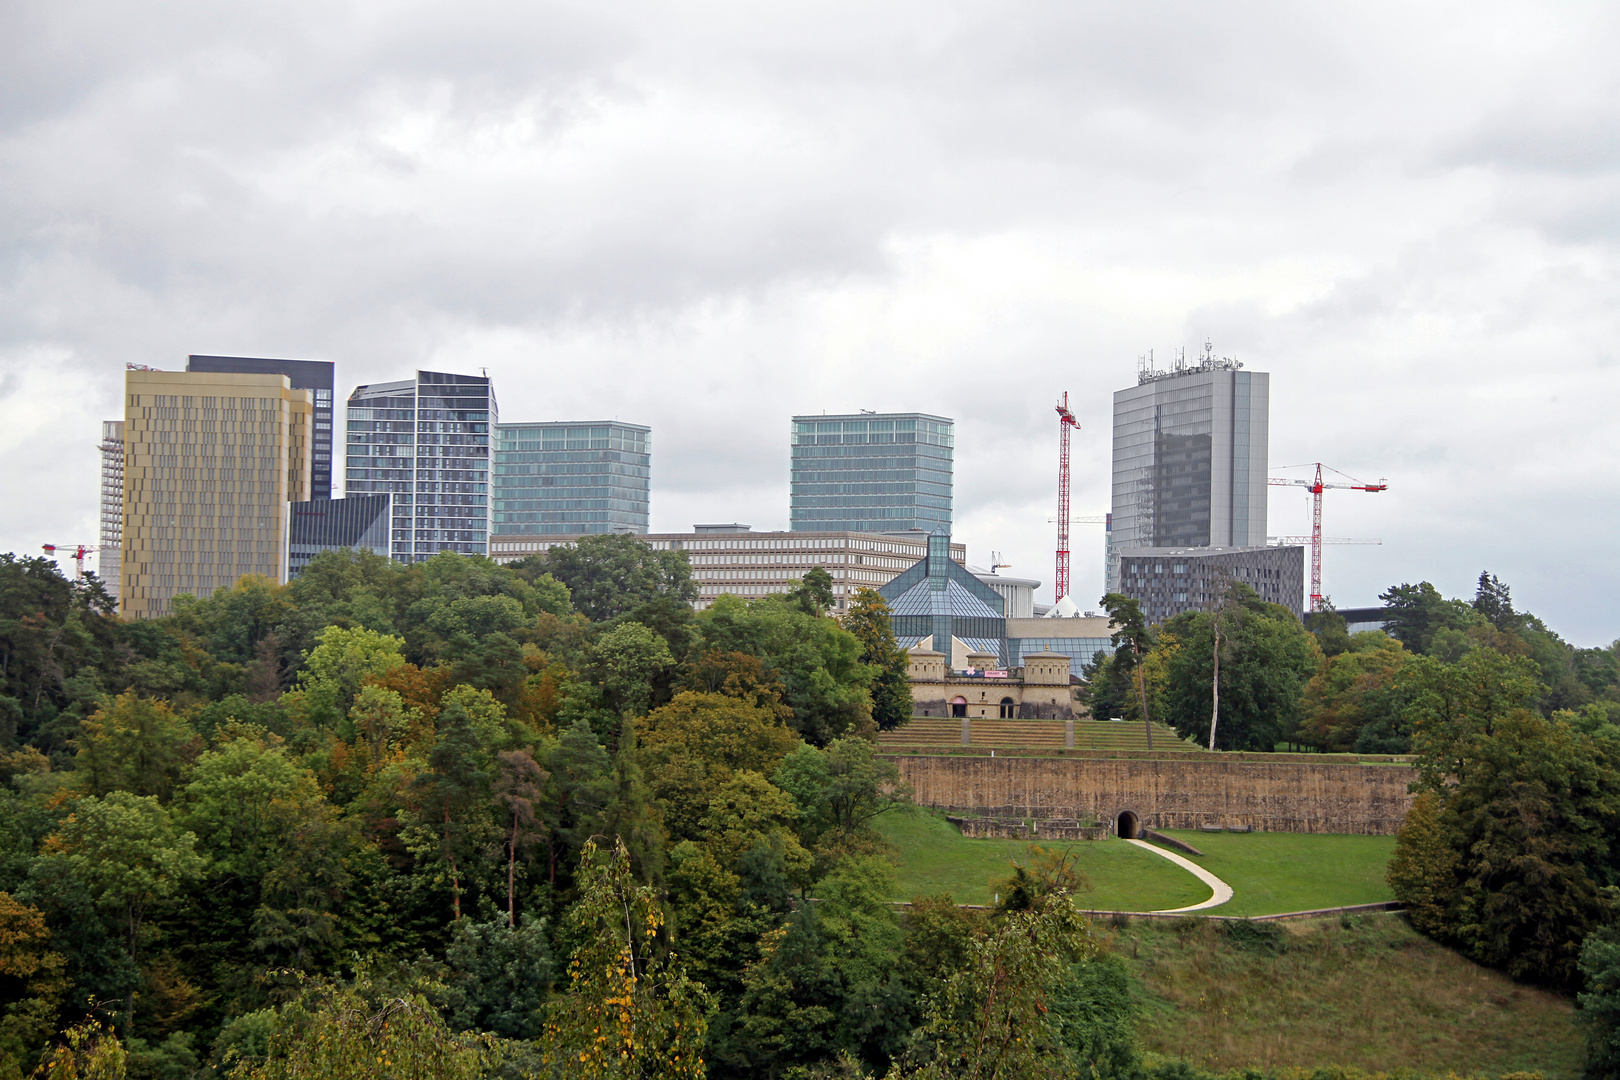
<point x="1376" y="995"/>
<point x="935" y="858"/>
<point x="1268" y="872"/>
<point x="1276" y="872"/>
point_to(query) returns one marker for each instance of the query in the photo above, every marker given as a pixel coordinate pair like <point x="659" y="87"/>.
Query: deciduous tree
<point x="628" y="1012"/>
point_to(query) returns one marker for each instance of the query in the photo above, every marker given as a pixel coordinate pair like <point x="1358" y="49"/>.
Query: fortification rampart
<point x="1168" y="793"/>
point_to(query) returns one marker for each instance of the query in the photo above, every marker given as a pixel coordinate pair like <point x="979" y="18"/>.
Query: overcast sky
<point x="708" y="217"/>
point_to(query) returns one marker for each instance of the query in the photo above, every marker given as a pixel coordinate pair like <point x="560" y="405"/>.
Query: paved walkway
<point x="1223" y="891"/>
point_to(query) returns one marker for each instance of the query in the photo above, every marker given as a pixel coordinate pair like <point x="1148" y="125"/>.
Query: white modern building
<point x="734" y="559"/>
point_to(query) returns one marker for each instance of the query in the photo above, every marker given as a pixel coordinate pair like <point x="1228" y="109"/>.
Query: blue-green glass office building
<point x="872" y="472"/>
<point x="563" y="478"/>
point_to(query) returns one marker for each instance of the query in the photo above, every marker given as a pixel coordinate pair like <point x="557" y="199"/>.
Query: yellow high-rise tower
<point x="210" y="463"/>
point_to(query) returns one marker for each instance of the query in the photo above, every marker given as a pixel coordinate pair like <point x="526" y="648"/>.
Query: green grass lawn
<point x="1366" y="991"/>
<point x="935" y="858"/>
<point x="1276" y="872"/>
<point x="1269" y="872"/>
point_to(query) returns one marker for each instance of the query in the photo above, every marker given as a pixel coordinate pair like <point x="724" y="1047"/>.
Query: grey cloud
<point x="708" y="218"/>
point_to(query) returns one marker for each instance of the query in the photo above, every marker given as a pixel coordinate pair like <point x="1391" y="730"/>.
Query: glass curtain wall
<point x="558" y="479"/>
<point x="872" y="472"/>
<point x="426" y="442"/>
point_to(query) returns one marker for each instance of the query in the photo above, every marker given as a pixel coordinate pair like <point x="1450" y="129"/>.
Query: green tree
<point x="575" y="792"/>
<point x="519" y="785"/>
<point x="1132" y="641"/>
<point x="1355" y="691"/>
<point x="453" y="793"/>
<point x="817" y="661"/>
<point x="1266" y="660"/>
<point x="630" y="663"/>
<point x="276" y="850"/>
<point x="612" y="574"/>
<point x="1457" y="708"/>
<point x="1507" y="856"/>
<point x="135" y="744"/>
<point x="127" y="851"/>
<point x="869" y="620"/>
<point x="1600" y="1003"/>
<point x="366" y="1030"/>
<point x="1494" y="601"/>
<point x="1003" y="1014"/>
<point x="1332" y="632"/>
<point x="628" y="1012"/>
<point x="814" y="592"/>
<point x="340" y="663"/>
<point x="693" y="746"/>
<point x="502" y="976"/>
<point x="1416" y="613"/>
<point x="841" y="789"/>
<point x="722" y="884"/>
<point x="829" y="982"/>
<point x="629" y="813"/>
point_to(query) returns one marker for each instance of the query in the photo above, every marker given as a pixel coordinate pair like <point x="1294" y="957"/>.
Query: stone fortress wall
<point x="1185" y="792"/>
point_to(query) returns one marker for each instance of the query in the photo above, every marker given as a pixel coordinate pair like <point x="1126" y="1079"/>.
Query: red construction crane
<point x="1316" y="487"/>
<point x="76" y="552"/>
<point x="1066" y="421"/>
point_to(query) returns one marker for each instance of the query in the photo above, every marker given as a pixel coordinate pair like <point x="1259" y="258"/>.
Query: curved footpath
<point x="1223" y="891"/>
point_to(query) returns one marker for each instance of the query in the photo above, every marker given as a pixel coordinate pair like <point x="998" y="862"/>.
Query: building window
<point x="1009" y="708"/>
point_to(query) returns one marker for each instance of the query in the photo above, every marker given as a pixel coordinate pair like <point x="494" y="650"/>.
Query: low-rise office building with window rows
<point x="1168" y="581"/>
<point x="734" y="559"/>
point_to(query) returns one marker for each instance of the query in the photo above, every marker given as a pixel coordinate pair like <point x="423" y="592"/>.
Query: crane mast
<point x="1316" y="487"/>
<point x="1066" y="421"/>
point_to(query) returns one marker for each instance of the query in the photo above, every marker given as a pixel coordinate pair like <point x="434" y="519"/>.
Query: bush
<point x="1260" y="937"/>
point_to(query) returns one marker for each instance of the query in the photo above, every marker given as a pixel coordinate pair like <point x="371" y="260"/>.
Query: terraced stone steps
<point x="924" y="731"/>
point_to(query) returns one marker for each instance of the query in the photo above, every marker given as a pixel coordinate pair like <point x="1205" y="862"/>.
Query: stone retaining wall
<point x="980" y="828"/>
<point x="1174" y="793"/>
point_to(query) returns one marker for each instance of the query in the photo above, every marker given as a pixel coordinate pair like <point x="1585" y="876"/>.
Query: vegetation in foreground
<point x="1365" y="992"/>
<point x="461" y="819"/>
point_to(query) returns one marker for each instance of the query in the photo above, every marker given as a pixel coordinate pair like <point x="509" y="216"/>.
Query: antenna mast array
<point x="1066" y="421"/>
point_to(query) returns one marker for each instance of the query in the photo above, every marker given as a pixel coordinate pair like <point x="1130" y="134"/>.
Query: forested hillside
<point x="460" y="819"/>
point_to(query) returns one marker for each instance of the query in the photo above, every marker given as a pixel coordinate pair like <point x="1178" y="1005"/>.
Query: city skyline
<point x="707" y="224"/>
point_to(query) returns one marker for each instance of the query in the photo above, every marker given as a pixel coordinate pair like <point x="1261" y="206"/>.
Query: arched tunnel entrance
<point x="1130" y="828"/>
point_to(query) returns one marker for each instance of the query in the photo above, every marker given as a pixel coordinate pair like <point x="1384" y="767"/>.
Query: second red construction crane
<point x="1066" y="421"/>
<point x="76" y="552"/>
<point x="1316" y="487"/>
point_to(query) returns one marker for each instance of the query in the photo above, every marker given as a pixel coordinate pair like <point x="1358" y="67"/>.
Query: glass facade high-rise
<point x="426" y="442"/>
<point x="872" y="472"/>
<point x="1190" y="460"/>
<point x="316" y="376"/>
<point x="559" y="479"/>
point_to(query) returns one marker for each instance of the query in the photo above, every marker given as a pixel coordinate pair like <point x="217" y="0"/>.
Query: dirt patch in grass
<point x="1367" y="992"/>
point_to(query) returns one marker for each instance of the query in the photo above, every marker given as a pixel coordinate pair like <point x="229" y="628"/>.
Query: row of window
<point x="869" y="506"/>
